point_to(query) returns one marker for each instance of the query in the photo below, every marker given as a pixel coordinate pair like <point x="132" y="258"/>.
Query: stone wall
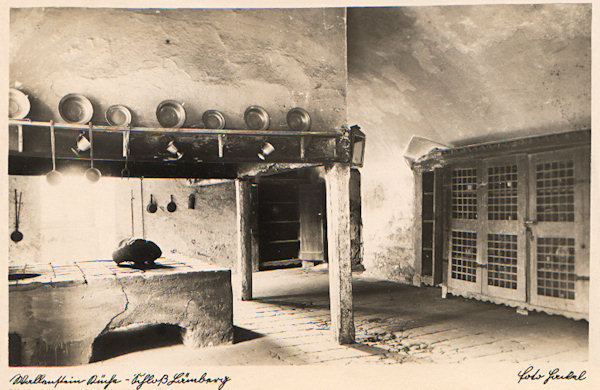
<point x="457" y="75"/>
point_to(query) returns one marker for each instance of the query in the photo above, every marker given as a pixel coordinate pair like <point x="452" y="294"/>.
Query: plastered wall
<point x="81" y="221"/>
<point x="207" y="59"/>
<point x="457" y="75"/>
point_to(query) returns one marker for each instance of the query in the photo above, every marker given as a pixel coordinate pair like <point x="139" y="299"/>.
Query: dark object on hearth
<point x="137" y="250"/>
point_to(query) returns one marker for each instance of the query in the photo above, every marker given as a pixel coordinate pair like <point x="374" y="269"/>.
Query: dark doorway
<point x="291" y="220"/>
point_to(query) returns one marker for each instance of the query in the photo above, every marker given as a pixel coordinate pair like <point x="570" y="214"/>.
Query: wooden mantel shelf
<point x="30" y="139"/>
<point x="175" y="131"/>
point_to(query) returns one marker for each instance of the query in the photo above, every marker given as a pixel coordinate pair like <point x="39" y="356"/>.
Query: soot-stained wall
<point x="457" y="75"/>
<point x="207" y="59"/>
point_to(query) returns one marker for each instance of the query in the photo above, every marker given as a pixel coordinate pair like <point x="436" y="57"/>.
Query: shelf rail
<point x="126" y="131"/>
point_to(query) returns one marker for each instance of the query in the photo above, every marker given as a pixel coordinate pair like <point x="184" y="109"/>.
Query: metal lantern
<point x="357" y="144"/>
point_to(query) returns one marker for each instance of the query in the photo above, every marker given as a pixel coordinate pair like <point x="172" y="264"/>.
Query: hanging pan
<point x="53" y="177"/>
<point x="172" y="206"/>
<point x="16" y="235"/>
<point x="92" y="174"/>
<point x="151" y="207"/>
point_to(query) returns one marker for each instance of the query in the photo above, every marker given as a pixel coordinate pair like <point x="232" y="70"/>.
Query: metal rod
<point x="142" y="203"/>
<point x="53" y="144"/>
<point x="132" y="220"/>
<point x="189" y="131"/>
<point x="91" y="146"/>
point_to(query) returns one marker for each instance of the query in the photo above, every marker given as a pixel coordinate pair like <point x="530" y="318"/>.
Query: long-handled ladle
<point x="53" y="177"/>
<point x="92" y="173"/>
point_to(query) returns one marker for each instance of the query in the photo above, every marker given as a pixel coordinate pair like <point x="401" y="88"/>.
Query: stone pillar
<point x="244" y="258"/>
<point x="337" y="178"/>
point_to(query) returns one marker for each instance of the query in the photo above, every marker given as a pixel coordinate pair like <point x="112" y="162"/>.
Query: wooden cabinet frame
<point x="495" y="255"/>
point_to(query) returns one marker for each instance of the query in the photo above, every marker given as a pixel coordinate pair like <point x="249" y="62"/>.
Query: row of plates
<point x="76" y="108"/>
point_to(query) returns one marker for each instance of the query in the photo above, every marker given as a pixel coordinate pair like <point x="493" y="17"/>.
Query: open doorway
<point x="291" y="220"/>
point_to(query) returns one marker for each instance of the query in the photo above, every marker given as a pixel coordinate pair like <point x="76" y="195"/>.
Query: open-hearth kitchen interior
<point x="299" y="186"/>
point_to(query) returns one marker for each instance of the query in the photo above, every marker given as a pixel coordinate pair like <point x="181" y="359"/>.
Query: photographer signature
<point x="533" y="374"/>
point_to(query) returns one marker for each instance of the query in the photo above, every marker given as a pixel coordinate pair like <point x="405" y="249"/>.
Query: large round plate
<point x="213" y="119"/>
<point x="257" y="118"/>
<point x="75" y="108"/>
<point x="298" y="119"/>
<point x="18" y="104"/>
<point x="118" y="115"/>
<point x="170" y="113"/>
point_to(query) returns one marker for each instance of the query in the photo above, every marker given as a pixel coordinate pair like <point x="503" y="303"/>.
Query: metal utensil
<point x="76" y="108"/>
<point x="170" y="113"/>
<point x="151" y="208"/>
<point x="213" y="119"/>
<point x="171" y="207"/>
<point x="118" y="115"/>
<point x="53" y="177"/>
<point x="298" y="119"/>
<point x="16" y="235"/>
<point x="257" y="118"/>
<point x="18" y="104"/>
<point x="92" y="174"/>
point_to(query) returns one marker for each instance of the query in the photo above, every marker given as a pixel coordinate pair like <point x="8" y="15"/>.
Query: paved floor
<point x="288" y="323"/>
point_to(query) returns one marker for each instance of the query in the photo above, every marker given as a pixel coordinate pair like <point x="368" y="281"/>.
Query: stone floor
<point x="288" y="323"/>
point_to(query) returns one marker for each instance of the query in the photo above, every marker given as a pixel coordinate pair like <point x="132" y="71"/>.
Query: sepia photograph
<point x="334" y="186"/>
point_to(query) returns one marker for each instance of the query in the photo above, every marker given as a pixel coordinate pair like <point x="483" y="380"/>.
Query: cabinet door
<point x="311" y="199"/>
<point x="504" y="209"/>
<point x="558" y="229"/>
<point x="464" y="239"/>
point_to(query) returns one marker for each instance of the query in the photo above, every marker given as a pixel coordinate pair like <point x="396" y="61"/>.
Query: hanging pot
<point x="92" y="174"/>
<point x="171" y="207"/>
<point x="53" y="177"/>
<point x="16" y="235"/>
<point x="151" y="208"/>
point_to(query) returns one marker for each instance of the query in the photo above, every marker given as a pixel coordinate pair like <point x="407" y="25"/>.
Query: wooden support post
<point x="244" y="258"/>
<point x="254" y="228"/>
<point x="340" y="262"/>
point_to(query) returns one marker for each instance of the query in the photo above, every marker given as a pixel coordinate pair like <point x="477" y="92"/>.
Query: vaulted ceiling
<point x="465" y="74"/>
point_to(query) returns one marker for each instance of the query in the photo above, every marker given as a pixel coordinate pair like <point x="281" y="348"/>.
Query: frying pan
<point x="16" y="235"/>
<point x="171" y="207"/>
<point x="151" y="207"/>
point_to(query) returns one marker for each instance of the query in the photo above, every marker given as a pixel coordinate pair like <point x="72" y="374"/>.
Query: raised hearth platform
<point x="57" y="311"/>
